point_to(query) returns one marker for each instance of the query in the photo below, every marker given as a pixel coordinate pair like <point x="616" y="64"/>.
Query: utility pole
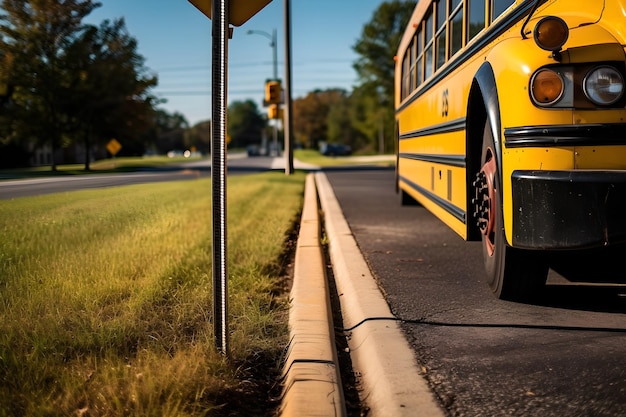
<point x="288" y="104"/>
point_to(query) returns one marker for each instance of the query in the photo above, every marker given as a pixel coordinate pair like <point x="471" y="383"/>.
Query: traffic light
<point x="271" y="111"/>
<point x="274" y="112"/>
<point x="272" y="92"/>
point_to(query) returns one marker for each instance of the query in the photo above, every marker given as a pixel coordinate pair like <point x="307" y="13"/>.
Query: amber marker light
<point x="546" y="87"/>
<point x="551" y="33"/>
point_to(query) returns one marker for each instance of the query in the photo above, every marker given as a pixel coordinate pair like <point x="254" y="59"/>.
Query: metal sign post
<point x="222" y="15"/>
<point x="219" y="83"/>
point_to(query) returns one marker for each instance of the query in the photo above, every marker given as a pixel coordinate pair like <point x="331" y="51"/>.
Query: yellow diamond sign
<point x="113" y="146"/>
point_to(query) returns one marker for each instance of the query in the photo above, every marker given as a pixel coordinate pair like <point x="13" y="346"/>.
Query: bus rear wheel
<point x="512" y="274"/>
<point x="407" y="200"/>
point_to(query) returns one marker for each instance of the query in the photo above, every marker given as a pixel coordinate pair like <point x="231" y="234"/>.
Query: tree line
<point x="69" y="87"/>
<point x="362" y="118"/>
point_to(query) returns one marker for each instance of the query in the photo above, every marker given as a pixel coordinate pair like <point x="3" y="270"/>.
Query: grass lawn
<point x="106" y="299"/>
<point x="312" y="156"/>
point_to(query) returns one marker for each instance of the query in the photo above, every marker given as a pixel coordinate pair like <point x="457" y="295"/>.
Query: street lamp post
<point x="273" y="44"/>
<point x="272" y="39"/>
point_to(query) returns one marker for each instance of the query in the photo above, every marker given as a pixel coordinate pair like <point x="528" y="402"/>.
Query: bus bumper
<point x="568" y="209"/>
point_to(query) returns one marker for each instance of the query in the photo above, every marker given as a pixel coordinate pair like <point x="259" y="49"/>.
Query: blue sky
<point x="175" y="39"/>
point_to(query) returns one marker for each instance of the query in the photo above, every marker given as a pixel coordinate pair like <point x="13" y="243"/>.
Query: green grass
<point x="312" y="156"/>
<point x="106" y="298"/>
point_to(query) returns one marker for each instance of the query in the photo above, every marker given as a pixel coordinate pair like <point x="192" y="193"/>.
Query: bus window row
<point x="444" y="29"/>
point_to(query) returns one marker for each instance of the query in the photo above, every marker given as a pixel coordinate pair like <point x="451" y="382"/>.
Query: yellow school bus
<point x="511" y="128"/>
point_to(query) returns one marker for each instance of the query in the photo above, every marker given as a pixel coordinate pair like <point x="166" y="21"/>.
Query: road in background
<point x="561" y="356"/>
<point x="238" y="164"/>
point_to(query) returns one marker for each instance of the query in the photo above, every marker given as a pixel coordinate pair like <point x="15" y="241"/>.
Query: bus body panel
<point x="436" y="180"/>
<point x="445" y="103"/>
<point x="613" y="16"/>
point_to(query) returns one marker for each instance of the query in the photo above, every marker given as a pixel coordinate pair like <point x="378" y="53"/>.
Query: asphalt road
<point x="561" y="356"/>
<point x="237" y="165"/>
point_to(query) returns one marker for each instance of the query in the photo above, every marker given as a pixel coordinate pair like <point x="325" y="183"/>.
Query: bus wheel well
<point x="475" y="124"/>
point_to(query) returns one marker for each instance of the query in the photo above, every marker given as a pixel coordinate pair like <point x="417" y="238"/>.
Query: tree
<point x="245" y="123"/>
<point x="200" y="136"/>
<point x="339" y="123"/>
<point x="377" y="48"/>
<point x="34" y="37"/>
<point x="110" y="94"/>
<point x="311" y="116"/>
<point x="75" y="80"/>
<point x="369" y="119"/>
<point x="169" y="131"/>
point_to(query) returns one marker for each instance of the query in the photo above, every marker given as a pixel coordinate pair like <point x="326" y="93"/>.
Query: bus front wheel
<point x="512" y="274"/>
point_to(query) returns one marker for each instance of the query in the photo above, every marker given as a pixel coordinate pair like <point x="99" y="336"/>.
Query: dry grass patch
<point x="106" y="299"/>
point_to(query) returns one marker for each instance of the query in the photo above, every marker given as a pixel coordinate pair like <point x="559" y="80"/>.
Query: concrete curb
<point x="311" y="375"/>
<point x="390" y="378"/>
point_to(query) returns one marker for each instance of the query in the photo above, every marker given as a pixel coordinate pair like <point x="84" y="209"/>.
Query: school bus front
<point x="512" y="127"/>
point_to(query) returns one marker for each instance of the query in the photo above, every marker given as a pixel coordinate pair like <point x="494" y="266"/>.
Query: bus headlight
<point x="603" y="85"/>
<point x="546" y="87"/>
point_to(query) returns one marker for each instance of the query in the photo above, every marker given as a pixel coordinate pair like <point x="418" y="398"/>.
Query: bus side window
<point x="419" y="38"/>
<point x="476" y="21"/>
<point x="440" y="37"/>
<point x="412" y="48"/>
<point x="428" y="48"/>
<point x="499" y="6"/>
<point x="406" y="73"/>
<point x="456" y="27"/>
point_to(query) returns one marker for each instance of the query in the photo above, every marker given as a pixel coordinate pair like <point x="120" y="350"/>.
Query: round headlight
<point x="551" y="33"/>
<point x="604" y="85"/>
<point x="546" y="87"/>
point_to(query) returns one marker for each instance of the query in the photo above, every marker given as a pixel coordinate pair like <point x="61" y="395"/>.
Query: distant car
<point x="336" y="150"/>
<point x="253" y="150"/>
<point x="174" y="153"/>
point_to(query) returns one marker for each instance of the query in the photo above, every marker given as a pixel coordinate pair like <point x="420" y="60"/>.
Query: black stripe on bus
<point x="451" y="160"/>
<point x="492" y="32"/>
<point x="452" y="126"/>
<point x="444" y="204"/>
<point x="566" y="135"/>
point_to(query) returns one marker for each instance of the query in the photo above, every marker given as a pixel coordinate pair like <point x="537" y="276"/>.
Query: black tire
<point x="407" y="200"/>
<point x="512" y="274"/>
